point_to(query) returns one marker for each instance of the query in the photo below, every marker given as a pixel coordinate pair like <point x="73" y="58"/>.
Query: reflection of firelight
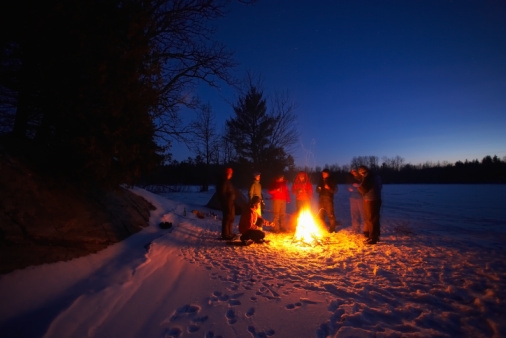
<point x="308" y="230"/>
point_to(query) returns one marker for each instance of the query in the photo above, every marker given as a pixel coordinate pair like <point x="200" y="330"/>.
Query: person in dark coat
<point x="326" y="189"/>
<point x="356" y="201"/>
<point x="227" y="200"/>
<point x="370" y="188"/>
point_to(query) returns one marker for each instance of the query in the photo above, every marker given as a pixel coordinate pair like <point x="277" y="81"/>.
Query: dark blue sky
<point x="424" y="80"/>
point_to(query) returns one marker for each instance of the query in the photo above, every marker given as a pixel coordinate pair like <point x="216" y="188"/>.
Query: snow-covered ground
<point x="439" y="271"/>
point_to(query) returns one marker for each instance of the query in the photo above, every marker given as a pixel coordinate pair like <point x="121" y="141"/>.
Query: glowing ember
<point x="308" y="230"/>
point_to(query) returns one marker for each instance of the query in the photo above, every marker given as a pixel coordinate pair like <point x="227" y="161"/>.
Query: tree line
<point x="392" y="171"/>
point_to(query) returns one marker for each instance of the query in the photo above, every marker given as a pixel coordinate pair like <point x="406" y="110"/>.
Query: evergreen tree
<point x="257" y="137"/>
<point x="250" y="129"/>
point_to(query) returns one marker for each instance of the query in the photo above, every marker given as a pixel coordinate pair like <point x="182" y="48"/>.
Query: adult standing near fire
<point x="326" y="189"/>
<point x="370" y="188"/>
<point x="280" y="197"/>
<point x="303" y="190"/>
<point x="256" y="190"/>
<point x="227" y="199"/>
<point x="356" y="202"/>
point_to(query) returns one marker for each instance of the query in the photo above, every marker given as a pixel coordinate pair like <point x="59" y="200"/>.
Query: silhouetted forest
<point x="488" y="170"/>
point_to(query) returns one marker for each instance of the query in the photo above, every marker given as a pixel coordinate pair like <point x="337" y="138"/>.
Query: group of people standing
<point x="366" y="186"/>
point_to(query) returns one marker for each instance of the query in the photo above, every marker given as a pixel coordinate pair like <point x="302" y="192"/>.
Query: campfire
<point x="308" y="230"/>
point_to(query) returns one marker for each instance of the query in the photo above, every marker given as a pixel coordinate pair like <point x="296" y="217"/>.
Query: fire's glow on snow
<point x="308" y="230"/>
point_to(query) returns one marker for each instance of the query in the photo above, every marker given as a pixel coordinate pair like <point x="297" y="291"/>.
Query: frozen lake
<point x="467" y="211"/>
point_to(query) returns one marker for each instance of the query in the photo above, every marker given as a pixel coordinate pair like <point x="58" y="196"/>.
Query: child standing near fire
<point x="303" y="191"/>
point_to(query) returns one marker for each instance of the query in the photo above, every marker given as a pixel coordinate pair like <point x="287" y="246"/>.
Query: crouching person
<point x="250" y="224"/>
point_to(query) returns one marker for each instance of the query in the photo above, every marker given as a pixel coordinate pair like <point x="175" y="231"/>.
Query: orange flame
<point x="308" y="230"/>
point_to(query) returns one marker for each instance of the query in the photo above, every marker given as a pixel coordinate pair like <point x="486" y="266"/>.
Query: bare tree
<point x="369" y="161"/>
<point x="394" y="163"/>
<point x="227" y="149"/>
<point x="284" y="134"/>
<point x="204" y="140"/>
<point x="204" y="136"/>
<point x="187" y="54"/>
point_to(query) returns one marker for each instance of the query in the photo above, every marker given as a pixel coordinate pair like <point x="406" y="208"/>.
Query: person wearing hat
<point x="256" y="190"/>
<point x="326" y="189"/>
<point x="250" y="224"/>
<point x="227" y="200"/>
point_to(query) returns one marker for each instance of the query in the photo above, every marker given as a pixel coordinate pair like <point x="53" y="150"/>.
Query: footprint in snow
<point x="185" y="311"/>
<point x="193" y="328"/>
<point x="250" y="312"/>
<point x="174" y="332"/>
<point x="220" y="296"/>
<point x="262" y="334"/>
<point x="234" y="302"/>
<point x="293" y="306"/>
<point x="210" y="334"/>
<point x="231" y="316"/>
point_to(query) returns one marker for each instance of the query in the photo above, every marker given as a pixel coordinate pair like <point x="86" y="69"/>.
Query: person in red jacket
<point x="250" y="224"/>
<point x="280" y="197"/>
<point x="303" y="190"/>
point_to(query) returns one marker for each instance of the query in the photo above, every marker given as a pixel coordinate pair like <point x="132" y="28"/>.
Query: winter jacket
<point x="302" y="189"/>
<point x="370" y="188"/>
<point x="326" y="193"/>
<point x="279" y="191"/>
<point x="250" y="221"/>
<point x="353" y="183"/>
<point x="255" y="190"/>
<point x="227" y="193"/>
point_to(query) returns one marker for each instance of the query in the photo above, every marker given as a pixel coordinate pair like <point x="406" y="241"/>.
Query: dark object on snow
<point x="239" y="243"/>
<point x="165" y="225"/>
<point x="247" y="243"/>
<point x="241" y="203"/>
<point x="199" y="214"/>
